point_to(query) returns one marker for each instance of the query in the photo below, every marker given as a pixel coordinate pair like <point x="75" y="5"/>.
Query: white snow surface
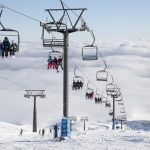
<point x="98" y="136"/>
<point x="128" y="62"/>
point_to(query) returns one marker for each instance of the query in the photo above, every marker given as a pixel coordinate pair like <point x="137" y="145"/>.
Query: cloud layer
<point x="128" y="62"/>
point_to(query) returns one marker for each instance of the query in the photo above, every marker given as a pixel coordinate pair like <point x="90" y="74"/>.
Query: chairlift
<point x="122" y="110"/>
<point x="11" y="34"/>
<point x="108" y="104"/>
<point x="119" y="98"/>
<point x="124" y="117"/>
<point x="102" y="75"/>
<point x="78" y="82"/>
<point x="89" y="94"/>
<point x="120" y="103"/>
<point x="98" y="97"/>
<point x="54" y="56"/>
<point x="110" y="87"/>
<point x="90" y="52"/>
<point x="116" y="94"/>
<point x="52" y="27"/>
<point x="110" y="113"/>
<point x="104" y="98"/>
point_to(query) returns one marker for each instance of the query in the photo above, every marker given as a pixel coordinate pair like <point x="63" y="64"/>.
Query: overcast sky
<point x="110" y="19"/>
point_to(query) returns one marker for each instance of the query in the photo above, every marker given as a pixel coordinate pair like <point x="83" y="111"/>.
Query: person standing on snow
<point x="21" y="131"/>
<point x="43" y="132"/>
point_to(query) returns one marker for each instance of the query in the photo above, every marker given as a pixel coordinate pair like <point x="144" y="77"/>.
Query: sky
<point x="110" y="19"/>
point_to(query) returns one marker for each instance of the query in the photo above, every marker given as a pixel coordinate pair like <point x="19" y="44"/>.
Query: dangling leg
<point x="3" y="53"/>
<point x="6" y="53"/>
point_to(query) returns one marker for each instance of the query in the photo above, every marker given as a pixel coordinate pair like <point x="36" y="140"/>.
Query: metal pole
<point x="113" y="125"/>
<point x="84" y="125"/>
<point x="121" y="124"/>
<point x="34" y="116"/>
<point x="65" y="76"/>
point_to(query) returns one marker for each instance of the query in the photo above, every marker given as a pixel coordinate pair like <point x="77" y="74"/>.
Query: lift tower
<point x="60" y="27"/>
<point x="34" y="94"/>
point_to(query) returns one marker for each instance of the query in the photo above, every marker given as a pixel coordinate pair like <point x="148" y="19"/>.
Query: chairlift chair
<point x="111" y="89"/>
<point x="107" y="104"/>
<point x="11" y="34"/>
<point x="104" y="98"/>
<point x="102" y="75"/>
<point x="89" y="94"/>
<point x="98" y="98"/>
<point x="124" y="117"/>
<point x="120" y="103"/>
<point x="89" y="52"/>
<point x="52" y="27"/>
<point x="122" y="110"/>
<point x="55" y="54"/>
<point x="119" y="98"/>
<point x="78" y="82"/>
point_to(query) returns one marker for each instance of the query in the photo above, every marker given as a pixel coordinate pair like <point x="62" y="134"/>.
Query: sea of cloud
<point x="127" y="61"/>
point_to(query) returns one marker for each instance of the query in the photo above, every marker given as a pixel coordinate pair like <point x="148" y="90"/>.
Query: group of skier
<point x="54" y="63"/>
<point x="77" y="85"/>
<point x="7" y="47"/>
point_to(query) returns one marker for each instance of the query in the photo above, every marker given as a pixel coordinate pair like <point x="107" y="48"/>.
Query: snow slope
<point x="98" y="136"/>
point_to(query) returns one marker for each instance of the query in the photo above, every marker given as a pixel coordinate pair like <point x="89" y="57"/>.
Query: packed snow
<point x="127" y="61"/>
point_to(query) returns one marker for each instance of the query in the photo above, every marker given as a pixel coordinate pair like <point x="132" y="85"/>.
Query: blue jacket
<point x="50" y="60"/>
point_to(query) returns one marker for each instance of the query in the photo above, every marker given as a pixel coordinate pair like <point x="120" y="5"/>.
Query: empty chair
<point x="89" y="52"/>
<point x="122" y="110"/>
<point x="119" y="98"/>
<point x="49" y="28"/>
<point x="102" y="75"/>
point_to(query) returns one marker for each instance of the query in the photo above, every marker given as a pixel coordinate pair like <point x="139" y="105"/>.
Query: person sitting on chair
<point x="1" y="48"/>
<point x="59" y="63"/>
<point x="13" y="48"/>
<point x="6" y="45"/>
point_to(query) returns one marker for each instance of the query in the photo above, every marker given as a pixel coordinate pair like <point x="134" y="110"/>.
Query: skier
<point x="50" y="62"/>
<point x="43" y="132"/>
<point x="40" y="132"/>
<point x="6" y="45"/>
<point x="59" y="63"/>
<point x="13" y="48"/>
<point x="21" y="131"/>
<point x="1" y="48"/>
